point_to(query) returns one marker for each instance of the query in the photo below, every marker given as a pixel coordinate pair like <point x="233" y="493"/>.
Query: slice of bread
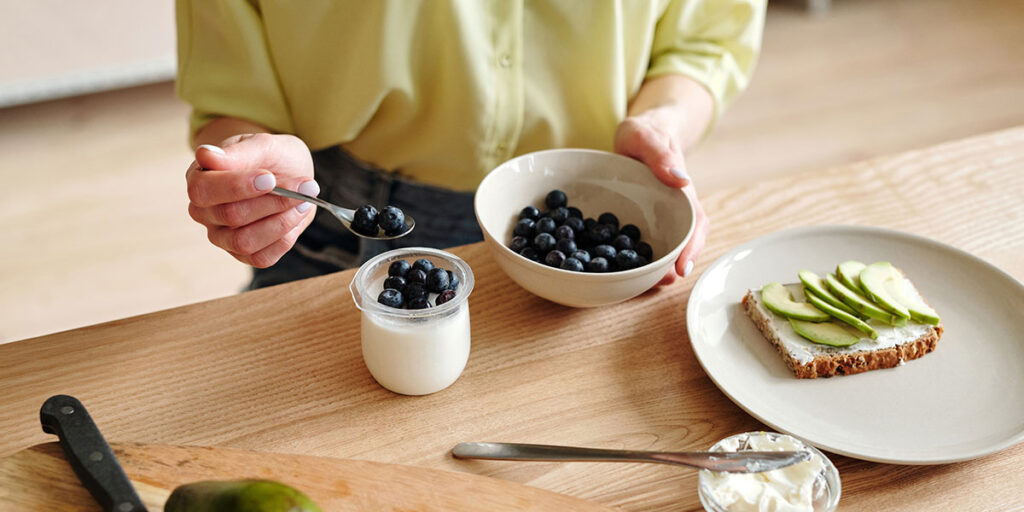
<point x="810" y="360"/>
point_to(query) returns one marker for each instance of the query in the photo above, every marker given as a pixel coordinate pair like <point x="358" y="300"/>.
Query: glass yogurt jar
<point x="413" y="351"/>
<point x="809" y="486"/>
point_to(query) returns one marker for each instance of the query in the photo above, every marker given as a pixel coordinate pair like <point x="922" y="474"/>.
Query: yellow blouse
<point x="442" y="91"/>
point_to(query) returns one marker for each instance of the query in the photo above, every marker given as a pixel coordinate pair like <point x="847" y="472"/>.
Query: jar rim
<point x="370" y="305"/>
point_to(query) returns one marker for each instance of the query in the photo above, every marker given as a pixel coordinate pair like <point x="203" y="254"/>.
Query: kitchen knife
<point x="89" y="454"/>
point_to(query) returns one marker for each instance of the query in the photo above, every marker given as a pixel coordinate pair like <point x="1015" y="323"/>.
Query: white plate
<point x="964" y="400"/>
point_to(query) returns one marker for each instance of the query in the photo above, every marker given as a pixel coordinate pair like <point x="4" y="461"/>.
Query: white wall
<point x="57" y="48"/>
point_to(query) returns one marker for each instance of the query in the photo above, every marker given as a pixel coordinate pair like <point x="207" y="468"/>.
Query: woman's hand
<point x="228" y="191"/>
<point x="648" y="138"/>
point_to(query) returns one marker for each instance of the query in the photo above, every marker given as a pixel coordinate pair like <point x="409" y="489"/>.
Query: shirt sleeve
<point x="715" y="42"/>
<point x="225" y="67"/>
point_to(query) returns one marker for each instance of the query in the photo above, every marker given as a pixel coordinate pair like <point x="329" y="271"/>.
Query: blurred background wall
<point x="93" y="140"/>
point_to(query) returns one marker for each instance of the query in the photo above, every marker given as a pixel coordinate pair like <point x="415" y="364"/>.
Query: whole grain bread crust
<point x="843" y="363"/>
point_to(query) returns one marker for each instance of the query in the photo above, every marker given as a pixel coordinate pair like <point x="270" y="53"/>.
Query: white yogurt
<point x="413" y="352"/>
<point x="416" y="356"/>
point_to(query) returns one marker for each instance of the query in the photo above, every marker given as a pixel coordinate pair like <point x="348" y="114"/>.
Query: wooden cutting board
<point x="39" y="478"/>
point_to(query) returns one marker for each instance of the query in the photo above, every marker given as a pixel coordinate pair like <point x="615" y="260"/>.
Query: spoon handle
<point x="302" y="197"/>
<point x="733" y="462"/>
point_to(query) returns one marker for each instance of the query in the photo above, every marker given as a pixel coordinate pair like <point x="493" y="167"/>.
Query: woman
<point x="411" y="102"/>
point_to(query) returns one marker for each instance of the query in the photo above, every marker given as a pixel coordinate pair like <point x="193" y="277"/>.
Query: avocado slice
<point x="885" y="285"/>
<point x="825" y="333"/>
<point x="860" y="303"/>
<point x="816" y="286"/>
<point x="238" y="496"/>
<point x="849" y="273"/>
<point x="778" y="299"/>
<point x="852" y="320"/>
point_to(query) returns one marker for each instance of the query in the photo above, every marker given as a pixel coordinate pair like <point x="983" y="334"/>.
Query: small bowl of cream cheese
<point x="809" y="486"/>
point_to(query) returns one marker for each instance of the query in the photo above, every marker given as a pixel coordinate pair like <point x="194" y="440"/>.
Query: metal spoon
<point x="730" y="462"/>
<point x="344" y="214"/>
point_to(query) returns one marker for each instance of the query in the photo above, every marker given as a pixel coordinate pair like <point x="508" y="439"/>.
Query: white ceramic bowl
<point x="595" y="182"/>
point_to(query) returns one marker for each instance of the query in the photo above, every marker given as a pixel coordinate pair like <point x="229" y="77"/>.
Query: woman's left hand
<point x="646" y="138"/>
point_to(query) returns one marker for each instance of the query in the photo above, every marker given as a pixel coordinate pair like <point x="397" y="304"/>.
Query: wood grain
<point x="280" y="369"/>
<point x="39" y="478"/>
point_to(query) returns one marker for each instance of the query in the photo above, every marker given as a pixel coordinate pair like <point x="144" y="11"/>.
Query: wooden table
<point x="280" y="369"/>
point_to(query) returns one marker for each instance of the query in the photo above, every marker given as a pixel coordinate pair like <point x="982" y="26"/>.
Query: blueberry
<point x="631" y="231"/>
<point x="453" y="281"/>
<point x="608" y="218"/>
<point x="415" y="291"/>
<point x="622" y="243"/>
<point x="559" y="214"/>
<point x="564" y="232"/>
<point x="418" y="303"/>
<point x="395" y="282"/>
<point x="398" y="231"/>
<point x="554" y="258"/>
<point x="416" y="276"/>
<point x="626" y="260"/>
<point x="390" y="297"/>
<point x="589" y="222"/>
<point x="399" y="268"/>
<point x="566" y="246"/>
<point x="530" y="212"/>
<point x="572" y="264"/>
<point x="575" y="213"/>
<point x="641" y="261"/>
<point x="524" y="228"/>
<point x="603" y="251"/>
<point x="530" y="253"/>
<point x="582" y="256"/>
<point x="364" y="221"/>
<point x="555" y="198"/>
<point x="644" y="249"/>
<point x="544" y="242"/>
<point x="518" y="243"/>
<point x="391" y="219"/>
<point x="445" y="296"/>
<point x="545" y="225"/>
<point x="600" y="234"/>
<point x="574" y="223"/>
<point x="597" y="265"/>
<point x="423" y="264"/>
<point x="437" y="280"/>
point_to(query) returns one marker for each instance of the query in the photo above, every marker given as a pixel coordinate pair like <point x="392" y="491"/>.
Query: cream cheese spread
<point x="790" y="489"/>
<point x="804" y="350"/>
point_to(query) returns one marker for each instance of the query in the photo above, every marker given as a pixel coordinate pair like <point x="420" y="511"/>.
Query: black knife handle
<point x="89" y="454"/>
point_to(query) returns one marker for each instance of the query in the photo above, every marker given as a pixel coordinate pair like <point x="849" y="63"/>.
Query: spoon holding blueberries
<point x="366" y="222"/>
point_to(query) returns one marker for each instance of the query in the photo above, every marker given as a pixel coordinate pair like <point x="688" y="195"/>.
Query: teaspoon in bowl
<point x="344" y="214"/>
<point x="729" y="462"/>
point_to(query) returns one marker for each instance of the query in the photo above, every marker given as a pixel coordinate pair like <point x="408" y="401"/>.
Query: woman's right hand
<point x="228" y="191"/>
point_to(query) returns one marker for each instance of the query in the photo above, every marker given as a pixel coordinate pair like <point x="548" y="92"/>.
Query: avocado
<point x="778" y="299"/>
<point x="238" y="496"/>
<point x="816" y="285"/>
<point x="859" y="324"/>
<point x="825" y="333"/>
<point x="862" y="304"/>
<point x="848" y="273"/>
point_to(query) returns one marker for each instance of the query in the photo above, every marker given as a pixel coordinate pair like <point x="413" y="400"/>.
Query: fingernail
<point x="688" y="268"/>
<point x="310" y="188"/>
<point x="215" y="149"/>
<point x="679" y="173"/>
<point x="264" y="181"/>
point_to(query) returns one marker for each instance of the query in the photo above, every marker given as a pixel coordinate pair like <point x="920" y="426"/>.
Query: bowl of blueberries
<point x="580" y="227"/>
